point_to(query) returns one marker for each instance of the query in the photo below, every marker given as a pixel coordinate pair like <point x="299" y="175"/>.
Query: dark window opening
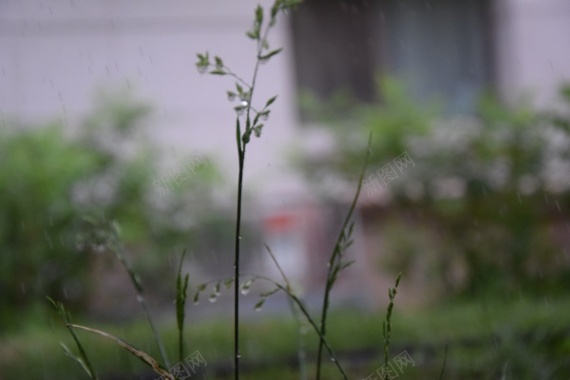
<point x="334" y="48"/>
<point x="437" y="49"/>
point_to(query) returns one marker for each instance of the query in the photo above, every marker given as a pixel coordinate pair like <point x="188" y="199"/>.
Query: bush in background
<point x="492" y="190"/>
<point x="53" y="177"/>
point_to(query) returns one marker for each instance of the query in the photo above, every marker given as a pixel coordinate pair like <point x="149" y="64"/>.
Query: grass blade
<point x="82" y="359"/>
<point x="143" y="356"/>
<point x="135" y="280"/>
<point x="75" y="358"/>
<point x="335" y="261"/>
<point x="181" y="295"/>
<point x="387" y="326"/>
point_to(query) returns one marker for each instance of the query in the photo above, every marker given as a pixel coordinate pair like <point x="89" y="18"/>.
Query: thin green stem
<point x="332" y="264"/>
<point x="255" y="70"/>
<point x="135" y="281"/>
<point x="444" y="362"/>
<point x="241" y="154"/>
<point x="82" y="359"/>
<point x="237" y="77"/>
<point x="155" y="332"/>
<point x="387" y="325"/>
<point x="181" y="294"/>
<point x="305" y="312"/>
<point x="301" y="351"/>
<point x="278" y="267"/>
<point x="292" y="305"/>
<point x="296" y="315"/>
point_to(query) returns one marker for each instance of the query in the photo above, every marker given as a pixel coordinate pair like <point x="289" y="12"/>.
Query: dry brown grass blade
<point x="133" y="350"/>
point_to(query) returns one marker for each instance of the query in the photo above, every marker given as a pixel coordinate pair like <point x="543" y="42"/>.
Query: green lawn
<point x="521" y="339"/>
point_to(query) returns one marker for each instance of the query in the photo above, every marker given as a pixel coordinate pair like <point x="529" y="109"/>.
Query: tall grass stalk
<point x="241" y="158"/>
<point x="336" y="264"/>
<point x="118" y="249"/>
<point x="387" y="324"/>
<point x="258" y="33"/>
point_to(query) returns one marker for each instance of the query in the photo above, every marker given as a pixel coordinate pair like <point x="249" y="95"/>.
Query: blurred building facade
<point x="56" y="54"/>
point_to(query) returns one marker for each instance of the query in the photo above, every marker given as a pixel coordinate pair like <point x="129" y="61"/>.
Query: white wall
<point x="533" y="48"/>
<point x="55" y="54"/>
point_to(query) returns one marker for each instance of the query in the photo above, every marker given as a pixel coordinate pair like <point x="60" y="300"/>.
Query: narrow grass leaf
<point x="265" y="57"/>
<point x="143" y="356"/>
<point x="181" y="295"/>
<point x="76" y="359"/>
<point x="82" y="359"/>
<point x="270" y="101"/>
<point x="197" y="297"/>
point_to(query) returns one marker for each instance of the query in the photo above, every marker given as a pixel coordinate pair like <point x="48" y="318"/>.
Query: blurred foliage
<point x="492" y="190"/>
<point x="54" y="180"/>
<point x="517" y="338"/>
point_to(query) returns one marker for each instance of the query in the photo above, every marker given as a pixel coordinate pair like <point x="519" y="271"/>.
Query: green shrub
<point x="491" y="188"/>
<point x="53" y="177"/>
